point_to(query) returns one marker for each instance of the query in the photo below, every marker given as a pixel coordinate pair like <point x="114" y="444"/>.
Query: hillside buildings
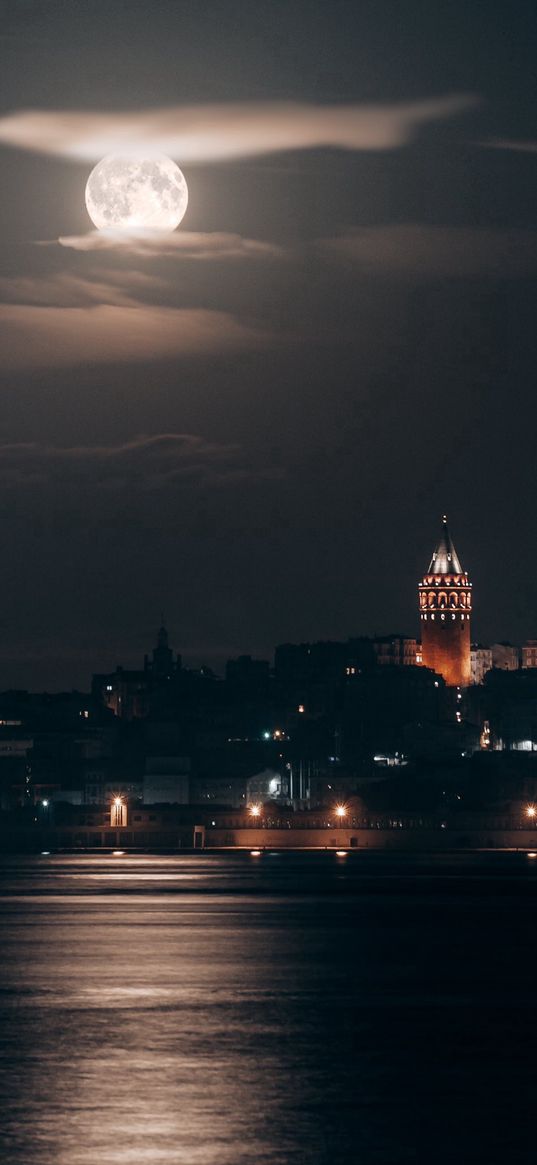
<point x="324" y="719"/>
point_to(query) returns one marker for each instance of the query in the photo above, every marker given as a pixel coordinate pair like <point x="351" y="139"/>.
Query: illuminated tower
<point x="445" y="597"/>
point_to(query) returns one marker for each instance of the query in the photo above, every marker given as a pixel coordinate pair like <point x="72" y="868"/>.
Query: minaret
<point x="163" y="663"/>
<point x="445" y="598"/>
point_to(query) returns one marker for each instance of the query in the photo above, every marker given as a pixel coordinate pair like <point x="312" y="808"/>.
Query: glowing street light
<point x="531" y="811"/>
<point x="45" y="804"/>
<point x="255" y="811"/>
<point x="341" y="811"/>
<point x="118" y="812"/>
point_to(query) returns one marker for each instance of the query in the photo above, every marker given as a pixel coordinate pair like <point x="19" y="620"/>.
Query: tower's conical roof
<point x="445" y="559"/>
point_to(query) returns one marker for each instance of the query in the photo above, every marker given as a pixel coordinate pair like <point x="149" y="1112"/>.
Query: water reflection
<point x="303" y="1011"/>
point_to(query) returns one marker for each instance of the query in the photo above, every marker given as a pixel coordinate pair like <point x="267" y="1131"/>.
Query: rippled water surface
<point x="301" y="1008"/>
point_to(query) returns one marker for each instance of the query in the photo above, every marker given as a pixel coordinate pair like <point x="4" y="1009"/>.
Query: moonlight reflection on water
<point x="231" y="1009"/>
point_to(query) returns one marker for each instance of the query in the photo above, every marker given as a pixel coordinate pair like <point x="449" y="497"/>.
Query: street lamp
<point x="531" y="811"/>
<point x="255" y="811"/>
<point x="116" y="815"/>
<point x="341" y="811"/>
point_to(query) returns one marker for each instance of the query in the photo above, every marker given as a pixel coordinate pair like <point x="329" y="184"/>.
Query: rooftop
<point x="445" y="559"/>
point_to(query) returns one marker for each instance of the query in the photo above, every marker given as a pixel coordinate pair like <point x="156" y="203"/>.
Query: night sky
<point x="256" y="427"/>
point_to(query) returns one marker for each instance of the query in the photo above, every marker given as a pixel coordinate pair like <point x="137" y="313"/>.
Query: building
<point x="505" y="656"/>
<point x="445" y="603"/>
<point x="481" y="662"/>
<point x="248" y="674"/>
<point x="529" y="653"/>
<point x="395" y="651"/>
<point x="163" y="665"/>
<point x="166" y="780"/>
<point x="127" y="693"/>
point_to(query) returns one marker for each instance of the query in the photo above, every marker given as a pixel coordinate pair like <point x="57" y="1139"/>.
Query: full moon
<point x="136" y="194"/>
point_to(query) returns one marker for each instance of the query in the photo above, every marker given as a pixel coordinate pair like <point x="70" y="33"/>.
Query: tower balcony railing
<point x="445" y="580"/>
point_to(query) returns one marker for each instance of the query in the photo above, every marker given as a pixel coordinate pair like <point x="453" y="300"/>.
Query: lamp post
<point x="117" y="812"/>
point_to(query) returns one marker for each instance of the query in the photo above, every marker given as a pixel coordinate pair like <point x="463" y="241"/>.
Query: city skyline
<point x="255" y="425"/>
<point x="439" y="565"/>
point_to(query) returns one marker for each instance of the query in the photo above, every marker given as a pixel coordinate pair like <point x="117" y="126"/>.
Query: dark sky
<point x="259" y="440"/>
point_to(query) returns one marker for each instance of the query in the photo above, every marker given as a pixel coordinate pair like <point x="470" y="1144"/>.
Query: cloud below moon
<point x="145" y="462"/>
<point x="212" y="133"/>
<point x="55" y="337"/>
<point x="516" y="146"/>
<point x="198" y="245"/>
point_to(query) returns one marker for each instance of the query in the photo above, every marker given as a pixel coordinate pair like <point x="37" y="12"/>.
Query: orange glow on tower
<point x="445" y="601"/>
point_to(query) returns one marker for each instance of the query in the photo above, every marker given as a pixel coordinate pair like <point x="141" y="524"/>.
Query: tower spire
<point x="445" y="559"/>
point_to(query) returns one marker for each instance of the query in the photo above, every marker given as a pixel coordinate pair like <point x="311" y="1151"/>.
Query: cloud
<point x="146" y="462"/>
<point x="182" y="244"/>
<point x="42" y="336"/>
<point x="521" y="147"/>
<point x="64" y="289"/>
<point x="413" y="250"/>
<point x="100" y="317"/>
<point x="202" y="133"/>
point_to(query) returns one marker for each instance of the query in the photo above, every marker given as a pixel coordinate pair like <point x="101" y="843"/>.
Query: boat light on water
<point x="341" y="853"/>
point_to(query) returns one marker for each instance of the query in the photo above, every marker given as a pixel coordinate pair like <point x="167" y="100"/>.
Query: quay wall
<point x="427" y="840"/>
